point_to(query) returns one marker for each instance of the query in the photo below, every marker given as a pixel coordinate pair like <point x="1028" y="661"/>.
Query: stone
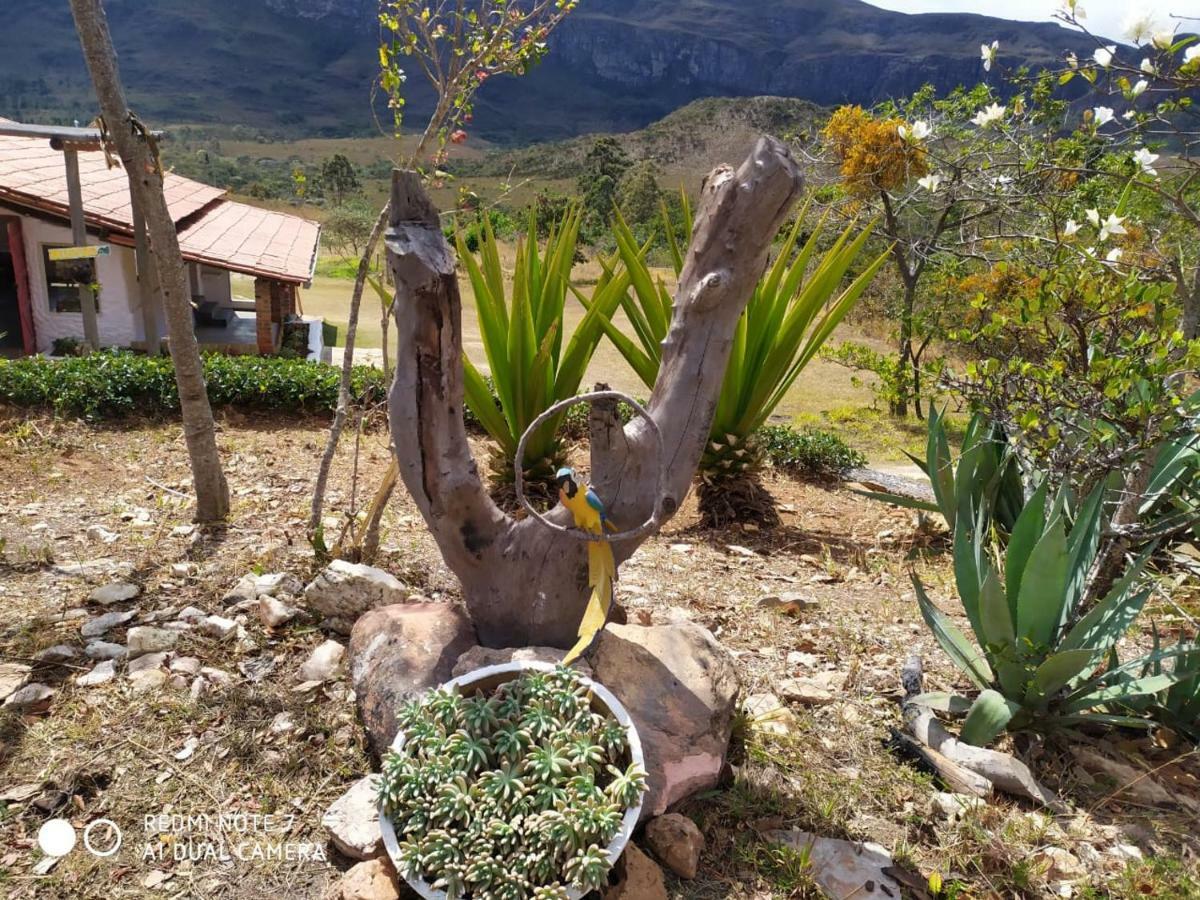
<point x="399" y="651"/>
<point x="102" y="673"/>
<point x="681" y="688"/>
<point x="1059" y="864"/>
<point x="31" y="698"/>
<point x="116" y="592"/>
<point x="1126" y="853"/>
<point x="147" y="680"/>
<point x="185" y="665"/>
<point x="638" y="878"/>
<point x="952" y="807"/>
<point x="104" y="650"/>
<point x="790" y="604"/>
<point x="283" y="723"/>
<point x="273" y="613"/>
<point x="353" y="820"/>
<point x="219" y="677"/>
<point x="100" y="535"/>
<point x="218" y="627"/>
<point x="12" y="676"/>
<point x="344" y="591"/>
<point x="482" y="657"/>
<point x="57" y="655"/>
<point x="105" y="623"/>
<point x="842" y="868"/>
<point x="372" y="879"/>
<point x="767" y="714"/>
<point x="148" y="639"/>
<point x="677" y="842"/>
<point x="322" y="663"/>
<point x="816" y="690"/>
<point x="146" y="661"/>
<point x="250" y="586"/>
<point x="190" y="614"/>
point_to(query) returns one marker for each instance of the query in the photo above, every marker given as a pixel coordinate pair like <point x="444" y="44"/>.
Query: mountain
<point x="306" y="66"/>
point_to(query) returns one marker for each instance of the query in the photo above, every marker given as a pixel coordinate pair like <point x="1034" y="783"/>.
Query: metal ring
<point x="578" y="534"/>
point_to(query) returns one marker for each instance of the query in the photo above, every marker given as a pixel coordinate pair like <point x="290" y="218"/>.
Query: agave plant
<point x="483" y="810"/>
<point x="1039" y="660"/>
<point x="1178" y="706"/>
<point x="795" y="307"/>
<point x="985" y="478"/>
<point x="532" y="363"/>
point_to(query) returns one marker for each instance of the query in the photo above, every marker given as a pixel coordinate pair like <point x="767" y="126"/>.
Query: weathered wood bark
<point x="522" y="584"/>
<point x="146" y="189"/>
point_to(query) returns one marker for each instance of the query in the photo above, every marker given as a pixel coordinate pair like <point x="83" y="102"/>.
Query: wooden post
<point x="145" y="276"/>
<point x="87" y="300"/>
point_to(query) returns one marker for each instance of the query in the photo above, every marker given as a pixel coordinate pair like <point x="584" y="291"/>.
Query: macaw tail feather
<point x="601" y="570"/>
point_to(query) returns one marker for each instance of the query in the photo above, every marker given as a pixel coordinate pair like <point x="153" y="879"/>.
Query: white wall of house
<point x="217" y="287"/>
<point x="119" y="318"/>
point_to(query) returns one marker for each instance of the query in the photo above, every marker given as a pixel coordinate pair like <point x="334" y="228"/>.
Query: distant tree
<point x="348" y="227"/>
<point x="639" y="197"/>
<point x="339" y="178"/>
<point x="603" y="169"/>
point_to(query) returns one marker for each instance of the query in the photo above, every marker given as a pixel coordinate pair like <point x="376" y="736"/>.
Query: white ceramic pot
<point x="488" y="679"/>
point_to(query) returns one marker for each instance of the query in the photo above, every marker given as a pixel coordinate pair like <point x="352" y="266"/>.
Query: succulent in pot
<point x="516" y="781"/>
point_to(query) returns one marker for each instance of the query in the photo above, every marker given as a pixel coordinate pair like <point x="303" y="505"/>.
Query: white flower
<point x="1148" y="67"/>
<point x="1128" y="114"/>
<point x="1113" y="255"/>
<point x="1163" y="39"/>
<point x="1072" y="8"/>
<point x="988" y="115"/>
<point x="1103" y="115"/>
<point x="1072" y="60"/>
<point x="1071" y="228"/>
<point x="1139" y="25"/>
<point x="1000" y="182"/>
<point x="1112" y="225"/>
<point x="1140" y="88"/>
<point x="1145" y="160"/>
<point x="1093" y="216"/>
<point x="988" y="54"/>
<point x="1104" y="55"/>
<point x="918" y="131"/>
<point x="1191" y="53"/>
<point x="931" y="183"/>
<point x="1089" y="251"/>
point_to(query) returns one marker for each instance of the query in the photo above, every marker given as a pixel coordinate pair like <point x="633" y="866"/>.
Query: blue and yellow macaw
<point x="589" y="515"/>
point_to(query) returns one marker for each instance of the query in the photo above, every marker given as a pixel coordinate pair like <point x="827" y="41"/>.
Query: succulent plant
<point x="510" y="795"/>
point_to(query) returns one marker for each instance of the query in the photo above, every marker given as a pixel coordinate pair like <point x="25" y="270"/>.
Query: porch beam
<point x="87" y="300"/>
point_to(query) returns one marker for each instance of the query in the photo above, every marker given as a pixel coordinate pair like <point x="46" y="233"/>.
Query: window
<point x="63" y="278"/>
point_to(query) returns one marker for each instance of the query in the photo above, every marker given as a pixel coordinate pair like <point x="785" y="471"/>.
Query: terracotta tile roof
<point x="212" y="229"/>
<point x="256" y="241"/>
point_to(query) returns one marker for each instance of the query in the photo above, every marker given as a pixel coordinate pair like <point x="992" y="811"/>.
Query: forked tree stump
<point x="522" y="583"/>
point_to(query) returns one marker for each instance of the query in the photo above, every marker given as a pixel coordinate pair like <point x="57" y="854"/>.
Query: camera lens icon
<point x="102" y="837"/>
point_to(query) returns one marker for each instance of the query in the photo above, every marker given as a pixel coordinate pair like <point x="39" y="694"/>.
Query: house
<point x="40" y="298"/>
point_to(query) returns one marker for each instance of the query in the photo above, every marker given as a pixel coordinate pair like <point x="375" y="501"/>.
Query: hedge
<point x="111" y="384"/>
<point x="807" y="452"/>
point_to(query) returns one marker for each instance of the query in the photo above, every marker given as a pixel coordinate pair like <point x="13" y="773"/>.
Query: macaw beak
<point x="566" y="483"/>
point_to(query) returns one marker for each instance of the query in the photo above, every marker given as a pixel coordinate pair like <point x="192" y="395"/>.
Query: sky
<point x="1104" y="17"/>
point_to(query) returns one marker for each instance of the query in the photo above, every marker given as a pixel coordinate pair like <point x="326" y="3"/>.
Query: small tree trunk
<point x="905" y="368"/>
<point x="523" y="584"/>
<point x="144" y="170"/>
<point x="339" y="415"/>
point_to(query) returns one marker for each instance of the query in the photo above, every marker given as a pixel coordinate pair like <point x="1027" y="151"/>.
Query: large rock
<point x="676" y="841"/>
<point x="638" y="878"/>
<point x="401" y="650"/>
<point x="681" y="688"/>
<point x="353" y="820"/>
<point x="103" y="624"/>
<point x="31" y="698"/>
<point x="345" y="590"/>
<point x="12" y="676"/>
<point x="116" y="592"/>
<point x="481" y="657"/>
<point x="372" y="879"/>
<point x="842" y="868"/>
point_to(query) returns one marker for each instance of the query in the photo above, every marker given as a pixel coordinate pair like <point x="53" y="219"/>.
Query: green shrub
<point x="807" y="452"/>
<point x="111" y="384"/>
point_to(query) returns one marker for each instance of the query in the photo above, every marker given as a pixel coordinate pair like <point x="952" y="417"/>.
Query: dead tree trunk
<point x="142" y="166"/>
<point x="523" y="584"/>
